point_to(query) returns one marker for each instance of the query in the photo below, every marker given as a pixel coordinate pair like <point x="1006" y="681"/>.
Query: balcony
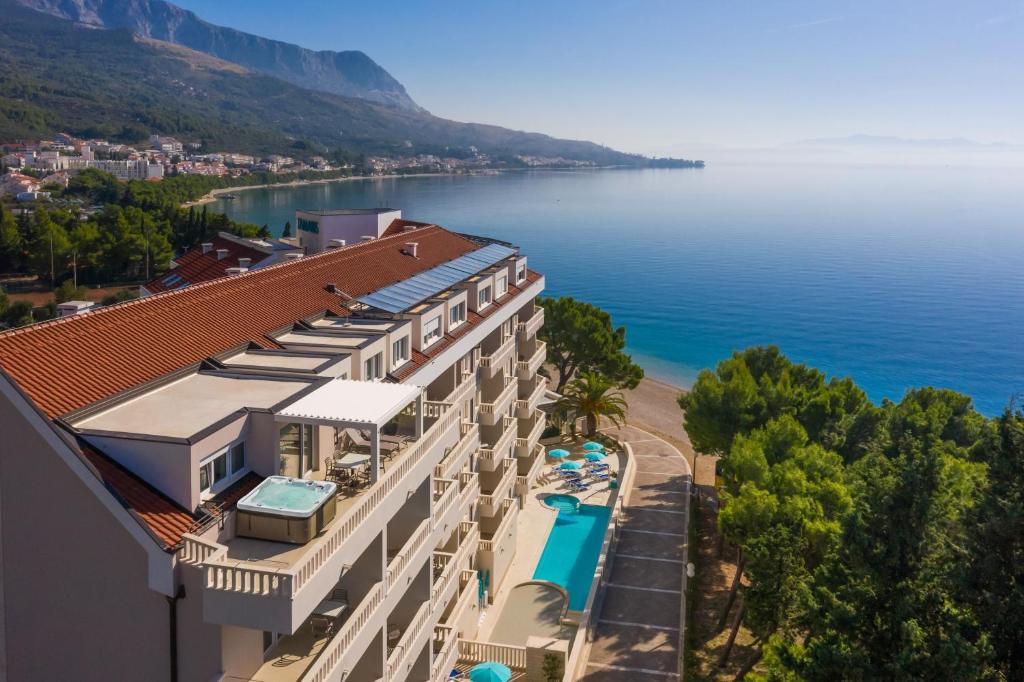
<point x="403" y="563"/>
<point x="526" y="406"/>
<point x="403" y="656"/>
<point x="463" y="392"/>
<point x="457" y="615"/>
<point x="529" y="327"/>
<point x="529" y="470"/>
<point x="492" y="456"/>
<point x="509" y="513"/>
<point x="275" y="586"/>
<point x="471" y="653"/>
<point x="447" y="511"/>
<point x="469" y="490"/>
<point x="493" y="361"/>
<point x="490" y="499"/>
<point x="448" y="566"/>
<point x="492" y="412"/>
<point x="527" y="366"/>
<point x="457" y="457"/>
<point x="446" y="651"/>
<point x="530" y="432"/>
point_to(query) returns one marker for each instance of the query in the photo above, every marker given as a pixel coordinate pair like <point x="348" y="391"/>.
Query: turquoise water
<point x="572" y="550"/>
<point x="896" y="276"/>
<point x="288" y="496"/>
<point x="567" y="503"/>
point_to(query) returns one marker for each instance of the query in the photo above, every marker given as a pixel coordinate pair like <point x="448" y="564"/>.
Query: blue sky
<point x="659" y="76"/>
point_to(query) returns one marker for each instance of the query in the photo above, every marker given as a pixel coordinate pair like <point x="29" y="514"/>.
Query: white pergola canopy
<point x="344" y="402"/>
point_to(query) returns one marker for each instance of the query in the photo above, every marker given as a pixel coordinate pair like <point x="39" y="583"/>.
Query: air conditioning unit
<point x="411" y="248"/>
<point x="244" y="262"/>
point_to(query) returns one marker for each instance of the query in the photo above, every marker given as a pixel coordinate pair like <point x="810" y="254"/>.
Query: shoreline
<point x="653" y="407"/>
<point x="212" y="195"/>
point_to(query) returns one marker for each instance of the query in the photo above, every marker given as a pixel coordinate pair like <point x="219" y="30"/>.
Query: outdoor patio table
<point x="330" y="608"/>
<point x="352" y="460"/>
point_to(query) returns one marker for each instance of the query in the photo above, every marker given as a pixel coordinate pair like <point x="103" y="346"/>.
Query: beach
<point x="653" y="407"/>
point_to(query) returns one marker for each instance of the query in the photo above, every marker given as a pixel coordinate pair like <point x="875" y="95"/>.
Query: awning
<point x="348" y="402"/>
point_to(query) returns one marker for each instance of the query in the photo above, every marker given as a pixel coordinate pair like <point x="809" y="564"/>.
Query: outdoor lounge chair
<point x="356" y="439"/>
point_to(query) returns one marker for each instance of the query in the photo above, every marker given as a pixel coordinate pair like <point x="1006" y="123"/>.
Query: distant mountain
<point x="350" y="73"/>
<point x="56" y="75"/>
<point x="890" y="141"/>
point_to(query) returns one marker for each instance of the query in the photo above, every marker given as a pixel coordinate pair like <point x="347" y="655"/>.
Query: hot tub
<point x="286" y="509"/>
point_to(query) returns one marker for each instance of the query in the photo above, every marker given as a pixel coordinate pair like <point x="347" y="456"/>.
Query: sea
<point x="897" y="276"/>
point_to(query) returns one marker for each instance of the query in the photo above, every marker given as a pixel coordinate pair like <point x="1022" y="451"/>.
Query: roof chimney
<point x="207" y="247"/>
<point x="331" y="287"/>
<point x="244" y="262"/>
<point x="411" y="248"/>
<point x="222" y="254"/>
<point x="335" y="243"/>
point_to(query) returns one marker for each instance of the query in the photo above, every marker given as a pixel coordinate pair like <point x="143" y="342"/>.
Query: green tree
<point x="67" y="291"/>
<point x="287" y="229"/>
<point x="552" y="668"/>
<point x="992" y="580"/>
<point x="18" y="314"/>
<point x="759" y="384"/>
<point x="580" y="338"/>
<point x="592" y="396"/>
<point x="48" y="244"/>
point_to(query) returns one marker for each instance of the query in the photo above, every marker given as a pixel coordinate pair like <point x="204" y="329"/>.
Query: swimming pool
<point x="568" y="503"/>
<point x="573" y="548"/>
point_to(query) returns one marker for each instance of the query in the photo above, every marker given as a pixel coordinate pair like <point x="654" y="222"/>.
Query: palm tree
<point x="593" y="396"/>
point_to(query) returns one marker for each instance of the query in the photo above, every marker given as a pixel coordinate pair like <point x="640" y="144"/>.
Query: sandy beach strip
<point x="653" y="407"/>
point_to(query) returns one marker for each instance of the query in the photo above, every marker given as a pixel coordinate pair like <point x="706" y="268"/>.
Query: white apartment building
<point x="307" y="472"/>
<point x="126" y="169"/>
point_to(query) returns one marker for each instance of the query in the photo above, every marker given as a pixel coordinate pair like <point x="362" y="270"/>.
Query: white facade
<point x="319" y="230"/>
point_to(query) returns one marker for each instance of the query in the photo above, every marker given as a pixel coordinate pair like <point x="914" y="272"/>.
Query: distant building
<point x="322" y="230"/>
<point x="130" y="169"/>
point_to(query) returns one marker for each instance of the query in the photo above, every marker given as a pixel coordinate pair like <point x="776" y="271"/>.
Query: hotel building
<point x="310" y="471"/>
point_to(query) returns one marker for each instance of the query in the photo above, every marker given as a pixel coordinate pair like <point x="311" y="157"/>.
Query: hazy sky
<point x="657" y="76"/>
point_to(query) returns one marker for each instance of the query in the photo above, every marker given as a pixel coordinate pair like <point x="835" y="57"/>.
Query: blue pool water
<point x="895" y="276"/>
<point x="567" y="503"/>
<point x="572" y="550"/>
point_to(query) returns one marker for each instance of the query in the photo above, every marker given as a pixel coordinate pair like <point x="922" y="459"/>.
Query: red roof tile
<point x="165" y="519"/>
<point x="195" y="267"/>
<point x="66" y="364"/>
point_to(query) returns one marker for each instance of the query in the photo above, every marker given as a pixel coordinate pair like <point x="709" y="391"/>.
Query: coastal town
<point x="30" y="169"/>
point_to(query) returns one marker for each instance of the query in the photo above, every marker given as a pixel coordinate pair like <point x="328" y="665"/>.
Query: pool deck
<point x="533" y="526"/>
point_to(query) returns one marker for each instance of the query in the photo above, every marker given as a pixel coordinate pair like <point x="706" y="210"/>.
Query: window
<point x="485" y="297"/>
<point x="218" y="471"/>
<point x="431" y="331"/>
<point x="501" y="287"/>
<point x="456" y="315"/>
<point x="373" y="368"/>
<point x="400" y="351"/>
<point x="521" y="272"/>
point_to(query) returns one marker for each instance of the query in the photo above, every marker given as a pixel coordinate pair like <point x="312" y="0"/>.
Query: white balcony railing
<point x="446" y="646"/>
<point x="507" y="654"/>
<point x="490" y="457"/>
<point x="468" y="594"/>
<point x="336" y="648"/>
<point x="526" y="446"/>
<point x="404" y="558"/>
<point x="529" y="327"/>
<point x="525" y="407"/>
<point x="526" y="481"/>
<point x="491" y="411"/>
<point x="469" y="484"/>
<point x="455" y="460"/>
<point x="446" y="493"/>
<point x="222" y="575"/>
<point x="403" y="657"/>
<point x="490" y="502"/>
<point x="510" y="512"/>
<point x="462" y="392"/>
<point x="526" y="369"/>
<point x="499" y="356"/>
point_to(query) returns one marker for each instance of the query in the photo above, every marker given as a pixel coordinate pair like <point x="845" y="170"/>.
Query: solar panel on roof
<point x="403" y="295"/>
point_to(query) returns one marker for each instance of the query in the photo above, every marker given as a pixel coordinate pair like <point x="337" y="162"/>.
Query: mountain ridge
<point x="350" y="73"/>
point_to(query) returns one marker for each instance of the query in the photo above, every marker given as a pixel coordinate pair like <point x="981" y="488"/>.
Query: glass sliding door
<point x="297" y="450"/>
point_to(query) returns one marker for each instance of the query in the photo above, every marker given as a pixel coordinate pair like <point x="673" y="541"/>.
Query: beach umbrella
<point x="570" y="465"/>
<point x="591" y="446"/>
<point x="490" y="672"/>
<point x="558" y="454"/>
<point x="594" y="456"/>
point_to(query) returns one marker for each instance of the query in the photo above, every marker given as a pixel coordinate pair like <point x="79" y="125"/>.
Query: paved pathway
<point x="637" y="638"/>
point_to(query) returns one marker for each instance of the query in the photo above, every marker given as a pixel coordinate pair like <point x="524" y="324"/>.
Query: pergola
<point x="363" y="405"/>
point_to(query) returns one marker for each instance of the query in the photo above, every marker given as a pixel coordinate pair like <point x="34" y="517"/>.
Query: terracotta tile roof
<point x="418" y="359"/>
<point x="165" y="519"/>
<point x="398" y="226"/>
<point x="195" y="267"/>
<point x="66" y="364"/>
